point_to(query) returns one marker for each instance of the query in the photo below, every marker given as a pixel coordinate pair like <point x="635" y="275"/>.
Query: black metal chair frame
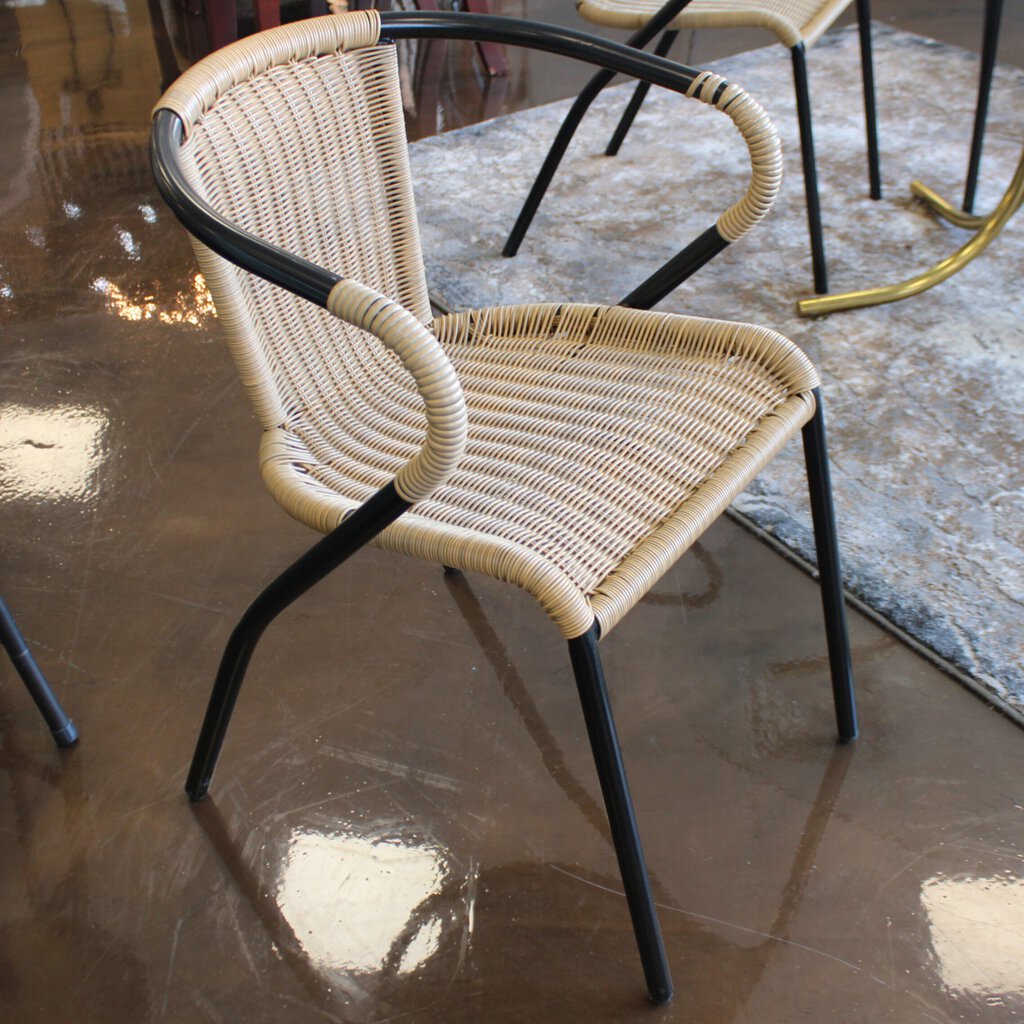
<point x="989" y="46"/>
<point x="314" y="283"/>
<point x="657" y="26"/>
<point x="63" y="729"/>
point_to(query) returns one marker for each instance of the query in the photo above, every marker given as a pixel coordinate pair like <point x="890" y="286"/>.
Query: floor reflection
<point x="51" y="453"/>
<point x="193" y="306"/>
<point x="977" y="932"/>
<point x="353" y="910"/>
<point x="348" y="897"/>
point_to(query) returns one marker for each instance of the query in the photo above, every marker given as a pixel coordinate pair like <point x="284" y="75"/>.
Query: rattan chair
<point x="797" y="24"/>
<point x="574" y="450"/>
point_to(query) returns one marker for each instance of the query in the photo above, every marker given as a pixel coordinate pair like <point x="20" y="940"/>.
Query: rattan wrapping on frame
<point x="601" y="442"/>
<point x="790" y="21"/>
<point x="444" y="407"/>
<point x="763" y="144"/>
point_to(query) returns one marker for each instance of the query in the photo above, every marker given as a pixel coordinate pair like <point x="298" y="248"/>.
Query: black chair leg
<point x="321" y="559"/>
<point x="637" y="99"/>
<point x="589" y="93"/>
<point x="63" y="729"/>
<point x="829" y="572"/>
<point x="547" y="171"/>
<point x="586" y="664"/>
<point x="803" y="112"/>
<point x="989" y="45"/>
<point x="867" y="66"/>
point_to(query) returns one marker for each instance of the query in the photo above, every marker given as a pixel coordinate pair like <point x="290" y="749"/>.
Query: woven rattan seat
<point x="574" y="450"/>
<point x="797" y="24"/>
<point x="791" y="21"/>
<point x="601" y="443"/>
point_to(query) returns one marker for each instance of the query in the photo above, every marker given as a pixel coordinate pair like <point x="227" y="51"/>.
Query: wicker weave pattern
<point x="765" y="152"/>
<point x="350" y="183"/>
<point x="791" y="21"/>
<point x="602" y="443"/>
<point x="200" y="88"/>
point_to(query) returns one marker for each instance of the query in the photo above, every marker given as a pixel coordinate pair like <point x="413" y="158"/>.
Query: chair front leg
<point x="323" y="558"/>
<point x="588" y="94"/>
<point x="829" y="572"/>
<point x="867" y="66"/>
<point x="597" y="713"/>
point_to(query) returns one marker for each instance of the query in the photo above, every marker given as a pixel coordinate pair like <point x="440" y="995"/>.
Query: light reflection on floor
<point x="51" y="452"/>
<point x="352" y="900"/>
<point x="977" y="930"/>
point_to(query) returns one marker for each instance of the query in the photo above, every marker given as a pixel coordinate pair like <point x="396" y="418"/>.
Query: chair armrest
<point x="418" y="349"/>
<point x="421" y="354"/>
<point x="750" y="119"/>
<point x="763" y="144"/>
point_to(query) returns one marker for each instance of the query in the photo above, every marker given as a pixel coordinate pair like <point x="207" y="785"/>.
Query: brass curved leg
<point x="946" y="210"/>
<point x="987" y="229"/>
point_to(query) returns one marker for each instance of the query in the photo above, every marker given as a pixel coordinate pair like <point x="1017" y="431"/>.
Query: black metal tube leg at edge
<point x="803" y="111"/>
<point x="597" y="713"/>
<point x="830" y="573"/>
<point x="636" y="101"/>
<point x="989" y="45"/>
<point x="867" y="67"/>
<point x="320" y="560"/>
<point x="61" y="727"/>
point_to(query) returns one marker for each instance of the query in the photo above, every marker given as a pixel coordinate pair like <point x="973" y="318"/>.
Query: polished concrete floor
<point x="405" y="824"/>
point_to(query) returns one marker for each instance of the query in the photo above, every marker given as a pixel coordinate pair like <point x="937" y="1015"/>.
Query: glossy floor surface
<point x="405" y="824"/>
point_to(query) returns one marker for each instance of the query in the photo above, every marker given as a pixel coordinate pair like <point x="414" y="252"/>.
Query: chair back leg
<point x="637" y="99"/>
<point x="597" y="713"/>
<point x="989" y="46"/>
<point x="829" y="572"/>
<point x="588" y="94"/>
<point x="803" y="113"/>
<point x="867" y="67"/>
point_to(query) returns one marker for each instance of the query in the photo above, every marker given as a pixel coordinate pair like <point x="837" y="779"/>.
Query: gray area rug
<point x="924" y="398"/>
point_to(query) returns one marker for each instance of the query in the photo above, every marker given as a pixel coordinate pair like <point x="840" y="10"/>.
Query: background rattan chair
<point x="574" y="450"/>
<point x="797" y="24"/>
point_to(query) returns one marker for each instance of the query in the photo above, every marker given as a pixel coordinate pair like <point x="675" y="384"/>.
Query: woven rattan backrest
<point x="297" y="135"/>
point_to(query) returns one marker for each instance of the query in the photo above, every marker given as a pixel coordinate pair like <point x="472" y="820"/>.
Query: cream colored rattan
<point x="790" y="21"/>
<point x="762" y="143"/>
<point x="601" y="441"/>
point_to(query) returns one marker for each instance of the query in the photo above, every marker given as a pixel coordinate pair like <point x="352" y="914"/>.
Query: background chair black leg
<point x="63" y="729"/>
<point x="547" y="171"/>
<point x="586" y="664"/>
<point x="321" y="559"/>
<point x="589" y="93"/>
<point x="989" y="45"/>
<point x="867" y="67"/>
<point x="803" y="112"/>
<point x="637" y="99"/>
<point x="830" y="573"/>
